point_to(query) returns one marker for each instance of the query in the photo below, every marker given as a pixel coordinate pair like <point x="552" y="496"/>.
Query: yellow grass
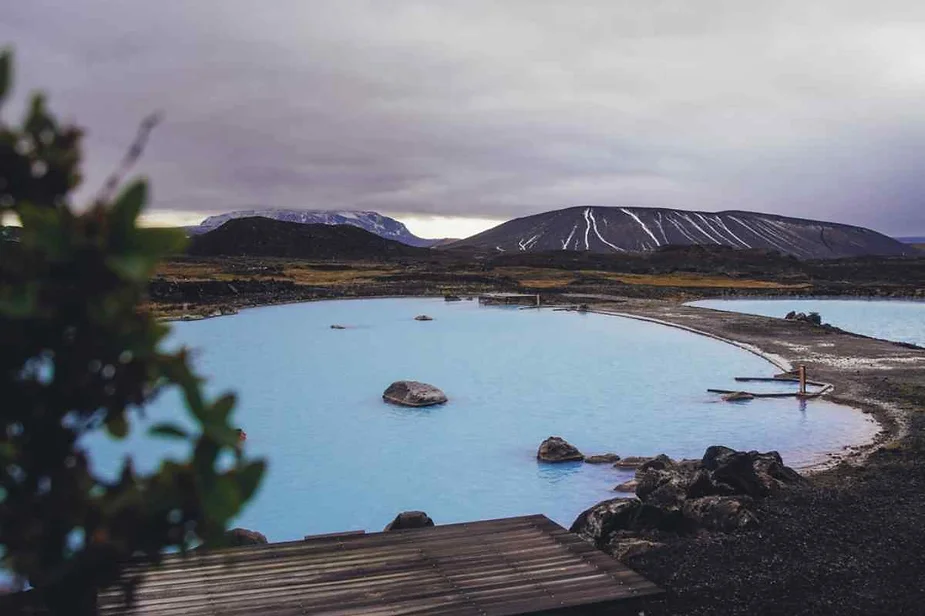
<point x="551" y="278"/>
<point x="315" y="274"/>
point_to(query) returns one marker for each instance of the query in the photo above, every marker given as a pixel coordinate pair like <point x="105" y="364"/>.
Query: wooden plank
<point x="506" y="566"/>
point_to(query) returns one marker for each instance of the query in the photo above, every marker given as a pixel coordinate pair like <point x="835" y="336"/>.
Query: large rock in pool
<point x="413" y="393"/>
<point x="410" y="519"/>
<point x="557" y="449"/>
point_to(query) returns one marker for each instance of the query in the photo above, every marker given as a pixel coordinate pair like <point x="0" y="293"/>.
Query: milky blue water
<point x="340" y="458"/>
<point x="900" y="321"/>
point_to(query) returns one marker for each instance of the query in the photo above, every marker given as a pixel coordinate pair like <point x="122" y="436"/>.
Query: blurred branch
<point x="131" y="157"/>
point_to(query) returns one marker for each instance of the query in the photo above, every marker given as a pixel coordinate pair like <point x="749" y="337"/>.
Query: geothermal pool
<point x="340" y="458"/>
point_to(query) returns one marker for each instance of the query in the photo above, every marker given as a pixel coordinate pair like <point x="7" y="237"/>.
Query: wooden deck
<point x="524" y="565"/>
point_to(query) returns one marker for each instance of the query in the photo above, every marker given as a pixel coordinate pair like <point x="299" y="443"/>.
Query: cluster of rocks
<point x="811" y="317"/>
<point x="715" y="493"/>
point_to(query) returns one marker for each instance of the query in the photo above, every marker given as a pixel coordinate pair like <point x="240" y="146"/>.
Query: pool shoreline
<point x="648" y="310"/>
<point x="834" y="456"/>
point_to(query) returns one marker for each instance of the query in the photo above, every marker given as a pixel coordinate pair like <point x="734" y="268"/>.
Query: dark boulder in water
<point x="409" y="519"/>
<point x="557" y="449"/>
<point x="413" y="393"/>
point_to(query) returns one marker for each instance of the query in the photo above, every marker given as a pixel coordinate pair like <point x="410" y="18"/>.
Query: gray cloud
<point x="495" y="109"/>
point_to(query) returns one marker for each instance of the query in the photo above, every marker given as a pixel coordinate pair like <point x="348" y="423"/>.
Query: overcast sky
<point x="497" y="109"/>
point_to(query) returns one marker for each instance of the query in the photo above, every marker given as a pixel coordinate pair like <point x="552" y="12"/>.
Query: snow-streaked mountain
<point x="373" y="222"/>
<point x="635" y="229"/>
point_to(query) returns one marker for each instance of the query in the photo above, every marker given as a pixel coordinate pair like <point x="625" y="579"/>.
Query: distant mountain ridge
<point x="383" y="226"/>
<point x="637" y="229"/>
<point x="259" y="236"/>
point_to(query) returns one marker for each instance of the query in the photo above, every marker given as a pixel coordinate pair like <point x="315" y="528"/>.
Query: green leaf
<point x="222" y="407"/>
<point x="133" y="268"/>
<point x="222" y="499"/>
<point x="117" y="426"/>
<point x="22" y="302"/>
<point x="221" y="433"/>
<point x="6" y="73"/>
<point x="160" y="241"/>
<point x="128" y="204"/>
<point x="249" y="478"/>
<point x="168" y="430"/>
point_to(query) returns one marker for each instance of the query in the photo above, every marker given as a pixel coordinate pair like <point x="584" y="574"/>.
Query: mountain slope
<point x="264" y="237"/>
<point x="373" y="222"/>
<point x="634" y="229"/>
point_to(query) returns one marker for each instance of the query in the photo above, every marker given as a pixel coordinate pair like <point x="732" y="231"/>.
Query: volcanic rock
<point x="409" y="519"/>
<point x="557" y="449"/>
<point x="604" y="458"/>
<point x="627" y="486"/>
<point x="631" y="462"/>
<point x="716" y="493"/>
<point x="237" y="537"/>
<point x="413" y="393"/>
<point x="721" y="513"/>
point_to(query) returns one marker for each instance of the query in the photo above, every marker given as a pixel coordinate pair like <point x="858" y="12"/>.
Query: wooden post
<point x="802" y="370"/>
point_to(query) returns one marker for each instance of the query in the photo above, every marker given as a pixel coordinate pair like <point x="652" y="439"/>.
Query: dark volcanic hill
<point x="636" y="229"/>
<point x="264" y="237"/>
<point x="374" y="222"/>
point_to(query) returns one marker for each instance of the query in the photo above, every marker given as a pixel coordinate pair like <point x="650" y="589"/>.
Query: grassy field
<point x="553" y="278"/>
<point x="327" y="274"/>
